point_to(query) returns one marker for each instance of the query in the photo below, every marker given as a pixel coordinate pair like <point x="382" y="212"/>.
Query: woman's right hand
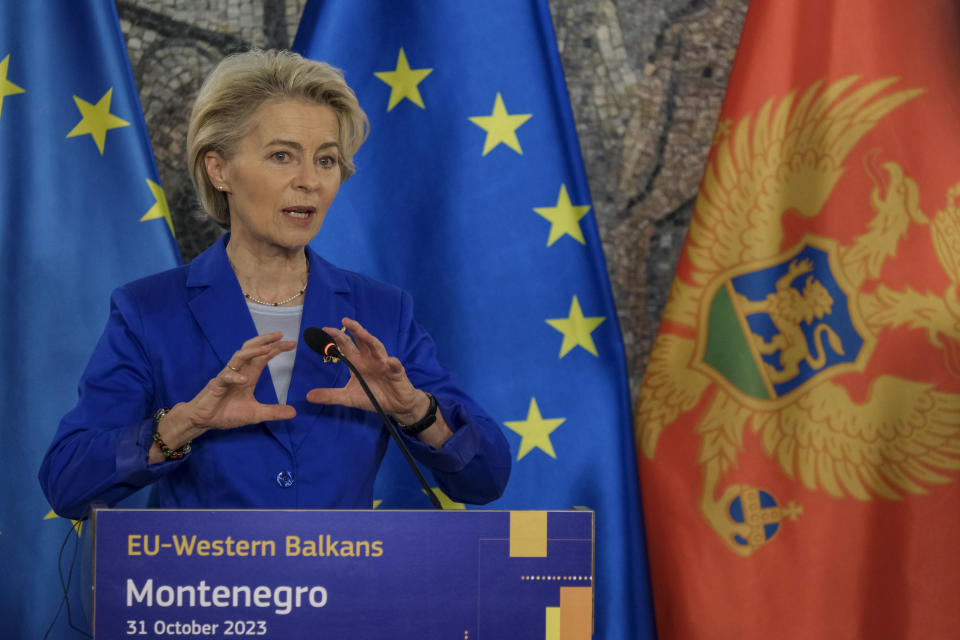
<point x="227" y="401"/>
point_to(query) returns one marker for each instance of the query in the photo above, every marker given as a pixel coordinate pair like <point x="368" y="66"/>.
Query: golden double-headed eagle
<point x="904" y="436"/>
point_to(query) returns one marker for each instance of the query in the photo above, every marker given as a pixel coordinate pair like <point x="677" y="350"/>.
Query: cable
<point x="65" y="585"/>
<point x="321" y="342"/>
<point x="392" y="430"/>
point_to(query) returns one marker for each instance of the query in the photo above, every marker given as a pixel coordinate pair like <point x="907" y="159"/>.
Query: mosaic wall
<point x="646" y="79"/>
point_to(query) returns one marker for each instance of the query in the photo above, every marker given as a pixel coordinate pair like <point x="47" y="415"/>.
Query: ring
<point x="232" y="368"/>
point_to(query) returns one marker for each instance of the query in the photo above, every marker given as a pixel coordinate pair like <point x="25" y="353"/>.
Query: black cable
<point x="60" y="575"/>
<point x="392" y="429"/>
<point x="321" y="342"/>
<point x="65" y="584"/>
<point x="66" y="590"/>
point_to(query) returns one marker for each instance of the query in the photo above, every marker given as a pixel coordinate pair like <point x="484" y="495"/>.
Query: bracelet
<point x="425" y="421"/>
<point x="168" y="453"/>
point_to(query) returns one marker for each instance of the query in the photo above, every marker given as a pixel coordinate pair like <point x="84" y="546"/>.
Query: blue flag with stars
<point x="82" y="212"/>
<point x="471" y="194"/>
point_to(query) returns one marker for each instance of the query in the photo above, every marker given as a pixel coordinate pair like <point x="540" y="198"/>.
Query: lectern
<point x="316" y="574"/>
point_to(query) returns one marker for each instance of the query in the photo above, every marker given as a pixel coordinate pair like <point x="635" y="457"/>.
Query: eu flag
<point x="471" y="194"/>
<point x="82" y="212"/>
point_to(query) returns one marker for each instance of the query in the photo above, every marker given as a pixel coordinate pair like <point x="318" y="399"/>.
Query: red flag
<point x="800" y="413"/>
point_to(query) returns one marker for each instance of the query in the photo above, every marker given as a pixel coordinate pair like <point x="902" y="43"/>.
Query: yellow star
<point x="7" y="88"/>
<point x="377" y="503"/>
<point x="535" y="431"/>
<point x="564" y="218"/>
<point x="403" y="82"/>
<point x="77" y="524"/>
<point x="159" y="208"/>
<point x="97" y="119"/>
<point x="445" y="500"/>
<point x="501" y="127"/>
<point x="576" y="329"/>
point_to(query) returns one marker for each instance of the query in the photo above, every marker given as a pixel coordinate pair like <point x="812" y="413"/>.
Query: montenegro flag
<point x="799" y="419"/>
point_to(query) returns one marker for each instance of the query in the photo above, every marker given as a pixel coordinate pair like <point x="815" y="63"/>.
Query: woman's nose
<point x="308" y="178"/>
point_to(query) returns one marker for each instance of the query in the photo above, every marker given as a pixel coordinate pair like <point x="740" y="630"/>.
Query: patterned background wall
<point x="646" y="80"/>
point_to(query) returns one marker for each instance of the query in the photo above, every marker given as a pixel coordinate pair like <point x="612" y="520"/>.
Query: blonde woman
<point x="200" y="385"/>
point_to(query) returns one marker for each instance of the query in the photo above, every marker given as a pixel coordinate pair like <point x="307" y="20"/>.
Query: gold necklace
<point x="264" y="302"/>
<point x="274" y="304"/>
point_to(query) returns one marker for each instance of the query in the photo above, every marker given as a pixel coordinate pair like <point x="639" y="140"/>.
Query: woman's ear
<point x="217" y="171"/>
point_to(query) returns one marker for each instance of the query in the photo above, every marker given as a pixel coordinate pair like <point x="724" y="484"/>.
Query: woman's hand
<point x="387" y="380"/>
<point x="227" y="401"/>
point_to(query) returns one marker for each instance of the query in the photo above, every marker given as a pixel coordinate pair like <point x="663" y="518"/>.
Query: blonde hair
<point x="235" y="90"/>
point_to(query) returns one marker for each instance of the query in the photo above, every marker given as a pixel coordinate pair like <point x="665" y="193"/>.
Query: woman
<point x="175" y="393"/>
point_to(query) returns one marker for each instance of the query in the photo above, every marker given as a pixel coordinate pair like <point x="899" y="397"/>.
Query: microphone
<point x="321" y="342"/>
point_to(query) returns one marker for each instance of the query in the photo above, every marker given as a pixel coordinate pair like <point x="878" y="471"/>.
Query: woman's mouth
<point x="299" y="213"/>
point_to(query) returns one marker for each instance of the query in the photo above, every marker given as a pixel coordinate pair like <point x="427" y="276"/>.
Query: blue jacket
<point x="170" y="333"/>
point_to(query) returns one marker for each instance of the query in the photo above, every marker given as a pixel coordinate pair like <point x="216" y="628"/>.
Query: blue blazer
<point x="170" y="333"/>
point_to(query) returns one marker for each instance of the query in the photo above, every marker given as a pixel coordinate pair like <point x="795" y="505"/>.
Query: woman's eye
<point x="281" y="156"/>
<point x="327" y="162"/>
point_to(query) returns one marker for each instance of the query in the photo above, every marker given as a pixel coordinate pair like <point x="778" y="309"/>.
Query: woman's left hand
<point x="384" y="374"/>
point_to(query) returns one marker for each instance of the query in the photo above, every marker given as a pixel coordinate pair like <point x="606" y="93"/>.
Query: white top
<point x="268" y="319"/>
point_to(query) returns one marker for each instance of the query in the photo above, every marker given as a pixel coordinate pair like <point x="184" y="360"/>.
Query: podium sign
<point x="391" y="575"/>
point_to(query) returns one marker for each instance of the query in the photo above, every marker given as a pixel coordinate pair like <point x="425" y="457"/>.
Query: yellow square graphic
<point x="528" y="534"/>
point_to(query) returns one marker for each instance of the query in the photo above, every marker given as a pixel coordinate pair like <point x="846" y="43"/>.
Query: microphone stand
<point x="328" y="349"/>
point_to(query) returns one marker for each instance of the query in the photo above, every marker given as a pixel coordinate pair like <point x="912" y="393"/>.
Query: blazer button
<point x="285" y="479"/>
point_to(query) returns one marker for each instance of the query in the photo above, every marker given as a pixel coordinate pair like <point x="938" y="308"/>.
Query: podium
<point x="339" y="574"/>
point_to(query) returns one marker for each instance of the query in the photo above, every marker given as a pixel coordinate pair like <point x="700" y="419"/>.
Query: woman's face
<point x="282" y="178"/>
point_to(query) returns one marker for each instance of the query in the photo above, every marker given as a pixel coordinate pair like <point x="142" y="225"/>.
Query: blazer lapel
<point x="222" y="315"/>
<point x="327" y="301"/>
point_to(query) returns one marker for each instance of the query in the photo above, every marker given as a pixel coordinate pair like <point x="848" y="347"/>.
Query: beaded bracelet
<point x="168" y="453"/>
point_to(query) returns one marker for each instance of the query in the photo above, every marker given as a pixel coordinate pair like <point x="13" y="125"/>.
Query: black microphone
<point x="321" y="342"/>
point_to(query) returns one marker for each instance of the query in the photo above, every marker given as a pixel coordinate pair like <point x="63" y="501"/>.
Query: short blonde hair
<point x="238" y="86"/>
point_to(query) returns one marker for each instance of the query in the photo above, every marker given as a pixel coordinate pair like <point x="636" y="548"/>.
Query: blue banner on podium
<point x="343" y="574"/>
